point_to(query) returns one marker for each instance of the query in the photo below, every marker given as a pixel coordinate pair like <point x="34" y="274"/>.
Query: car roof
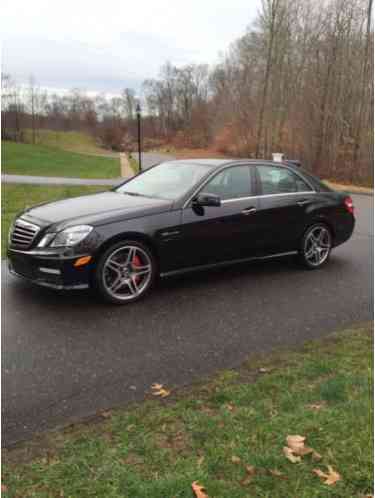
<point x="218" y="163"/>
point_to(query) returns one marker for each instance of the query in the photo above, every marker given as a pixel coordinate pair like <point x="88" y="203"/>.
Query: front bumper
<point x="49" y="270"/>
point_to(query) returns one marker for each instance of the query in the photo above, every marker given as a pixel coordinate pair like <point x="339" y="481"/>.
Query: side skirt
<point x="225" y="263"/>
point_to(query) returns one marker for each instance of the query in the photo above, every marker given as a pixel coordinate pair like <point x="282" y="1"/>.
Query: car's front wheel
<point x="125" y="272"/>
<point x="316" y="246"/>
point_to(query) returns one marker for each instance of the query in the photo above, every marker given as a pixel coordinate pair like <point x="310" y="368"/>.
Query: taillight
<point x="348" y="202"/>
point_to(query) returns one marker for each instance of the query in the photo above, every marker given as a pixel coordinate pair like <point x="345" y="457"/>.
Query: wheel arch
<point x="128" y="235"/>
<point x="321" y="221"/>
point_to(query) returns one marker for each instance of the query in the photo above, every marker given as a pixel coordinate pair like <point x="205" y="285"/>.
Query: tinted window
<point x="230" y="183"/>
<point x="280" y="181"/>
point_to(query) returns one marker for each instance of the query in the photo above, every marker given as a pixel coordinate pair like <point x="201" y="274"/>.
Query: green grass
<point x="15" y="198"/>
<point x="76" y="141"/>
<point x="39" y="160"/>
<point x="158" y="448"/>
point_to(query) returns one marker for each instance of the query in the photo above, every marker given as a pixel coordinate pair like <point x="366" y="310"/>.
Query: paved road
<point x="148" y="160"/>
<point x="151" y="158"/>
<point x="68" y="355"/>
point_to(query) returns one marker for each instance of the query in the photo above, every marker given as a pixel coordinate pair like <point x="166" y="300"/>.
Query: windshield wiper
<point x="135" y="194"/>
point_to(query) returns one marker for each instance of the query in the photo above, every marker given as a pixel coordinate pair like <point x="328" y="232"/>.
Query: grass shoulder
<point x="355" y="189"/>
<point x="41" y="160"/>
<point x="214" y="431"/>
<point x="15" y="198"/>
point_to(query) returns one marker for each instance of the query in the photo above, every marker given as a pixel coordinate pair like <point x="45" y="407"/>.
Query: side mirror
<point x="207" y="200"/>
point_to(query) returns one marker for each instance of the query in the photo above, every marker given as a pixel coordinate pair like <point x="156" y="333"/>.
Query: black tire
<point x="103" y="272"/>
<point x="313" y="256"/>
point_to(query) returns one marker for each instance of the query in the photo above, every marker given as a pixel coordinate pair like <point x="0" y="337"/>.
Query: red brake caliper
<point x="136" y="262"/>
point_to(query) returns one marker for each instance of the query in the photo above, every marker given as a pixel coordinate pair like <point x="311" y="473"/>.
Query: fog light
<point x="52" y="271"/>
<point x="82" y="261"/>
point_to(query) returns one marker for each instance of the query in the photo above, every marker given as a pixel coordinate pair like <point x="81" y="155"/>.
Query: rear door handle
<point x="303" y="202"/>
<point x="248" y="211"/>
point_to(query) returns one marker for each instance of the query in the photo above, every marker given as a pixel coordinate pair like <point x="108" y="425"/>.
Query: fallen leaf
<point x="106" y="414"/>
<point x="330" y="478"/>
<point x="159" y="390"/>
<point x="230" y="407"/>
<point x="4" y="488"/>
<point x="250" y="473"/>
<point x="277" y="473"/>
<point x="297" y="445"/>
<point x="263" y="370"/>
<point x="295" y="442"/>
<point x="236" y="459"/>
<point x="316" y="455"/>
<point x="315" y="406"/>
<point x="200" y="461"/>
<point x="199" y="490"/>
<point x="288" y="452"/>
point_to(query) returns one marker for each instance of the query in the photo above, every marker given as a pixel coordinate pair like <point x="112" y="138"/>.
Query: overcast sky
<point x="108" y="44"/>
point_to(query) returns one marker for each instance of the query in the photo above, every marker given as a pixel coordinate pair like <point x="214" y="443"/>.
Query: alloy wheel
<point x="317" y="245"/>
<point x="127" y="272"/>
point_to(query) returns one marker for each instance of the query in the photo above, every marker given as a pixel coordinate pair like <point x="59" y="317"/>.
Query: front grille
<point x="23" y="233"/>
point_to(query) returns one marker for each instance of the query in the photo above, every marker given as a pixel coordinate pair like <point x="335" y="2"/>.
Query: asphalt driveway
<point x="66" y="355"/>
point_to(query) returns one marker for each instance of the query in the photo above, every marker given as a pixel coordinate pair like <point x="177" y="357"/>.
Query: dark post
<point x="138" y="111"/>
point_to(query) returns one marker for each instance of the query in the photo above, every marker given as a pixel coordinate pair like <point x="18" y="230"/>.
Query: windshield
<point x="169" y="180"/>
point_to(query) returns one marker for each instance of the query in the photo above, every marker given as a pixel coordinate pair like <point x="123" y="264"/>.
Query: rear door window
<point x="275" y="180"/>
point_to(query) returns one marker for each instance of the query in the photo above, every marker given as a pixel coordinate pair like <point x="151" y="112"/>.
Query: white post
<point x="277" y="157"/>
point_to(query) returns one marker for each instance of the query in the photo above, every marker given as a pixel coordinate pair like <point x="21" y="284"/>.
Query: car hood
<point x="95" y="209"/>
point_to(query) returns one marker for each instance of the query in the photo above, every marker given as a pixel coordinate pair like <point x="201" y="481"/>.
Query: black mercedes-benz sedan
<point x="175" y="217"/>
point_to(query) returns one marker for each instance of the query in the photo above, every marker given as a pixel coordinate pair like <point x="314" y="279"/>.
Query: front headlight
<point x="68" y="237"/>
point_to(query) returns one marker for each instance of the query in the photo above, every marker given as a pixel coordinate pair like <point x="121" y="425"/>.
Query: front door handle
<point x="248" y="211"/>
<point x="303" y="202"/>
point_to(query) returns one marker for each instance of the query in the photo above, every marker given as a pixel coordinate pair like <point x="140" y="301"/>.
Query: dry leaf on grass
<point x="263" y="370"/>
<point x="230" y="407"/>
<point x="159" y="390"/>
<point x="4" y="488"/>
<point x="200" y="461"/>
<point x="106" y="414"/>
<point x="236" y="459"/>
<point x="288" y="452"/>
<point x="297" y="447"/>
<point x="250" y="473"/>
<point x="277" y="473"/>
<point x="315" y="406"/>
<point x="199" y="490"/>
<point x="330" y="478"/>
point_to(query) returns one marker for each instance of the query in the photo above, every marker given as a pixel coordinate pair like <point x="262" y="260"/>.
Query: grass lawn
<point x="75" y="141"/>
<point x="227" y="433"/>
<point x="15" y="198"/>
<point x="40" y="160"/>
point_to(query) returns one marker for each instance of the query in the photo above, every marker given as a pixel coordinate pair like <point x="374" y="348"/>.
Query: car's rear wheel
<point x="125" y="272"/>
<point x="316" y="246"/>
